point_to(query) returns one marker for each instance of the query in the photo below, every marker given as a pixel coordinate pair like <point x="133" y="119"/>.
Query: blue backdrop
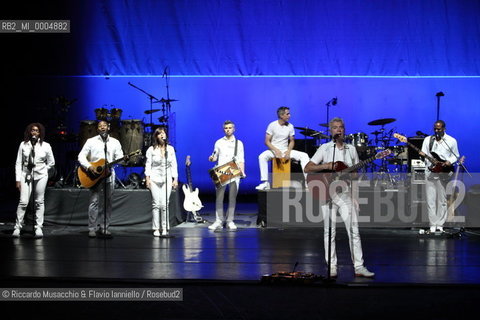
<point x="240" y="60"/>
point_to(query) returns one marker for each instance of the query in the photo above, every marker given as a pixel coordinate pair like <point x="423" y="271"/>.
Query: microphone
<point x="164" y="72"/>
<point x="104" y="135"/>
<point x="33" y="140"/>
<point x="334" y="101"/>
<point x="336" y="136"/>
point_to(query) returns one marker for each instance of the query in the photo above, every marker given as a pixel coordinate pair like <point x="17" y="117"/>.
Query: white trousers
<point x="232" y="201"/>
<point x="25" y="193"/>
<point x="160" y="204"/>
<point x="96" y="207"/>
<point x="268" y="155"/>
<point x="436" y="202"/>
<point x="342" y="204"/>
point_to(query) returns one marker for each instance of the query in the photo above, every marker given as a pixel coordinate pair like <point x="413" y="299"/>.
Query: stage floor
<point x="417" y="276"/>
<point x="397" y="256"/>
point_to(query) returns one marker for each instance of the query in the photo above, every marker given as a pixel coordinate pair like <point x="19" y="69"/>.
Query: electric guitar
<point x="437" y="163"/>
<point x="192" y="202"/>
<point x="326" y="177"/>
<point x="101" y="170"/>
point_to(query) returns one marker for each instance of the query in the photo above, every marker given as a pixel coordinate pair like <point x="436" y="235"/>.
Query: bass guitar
<point x="326" y="177"/>
<point x="101" y="170"/>
<point x="437" y="163"/>
<point x="192" y="202"/>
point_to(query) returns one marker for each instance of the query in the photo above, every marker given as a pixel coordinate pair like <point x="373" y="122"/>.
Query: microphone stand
<point x="32" y="174"/>
<point x="458" y="158"/>
<point x="151" y="98"/>
<point x="438" y="95"/>
<point x="105" y="185"/>
<point x="167" y="213"/>
<point x="330" y="215"/>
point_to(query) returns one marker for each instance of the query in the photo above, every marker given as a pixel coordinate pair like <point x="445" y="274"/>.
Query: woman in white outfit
<point x="34" y="158"/>
<point x="160" y="174"/>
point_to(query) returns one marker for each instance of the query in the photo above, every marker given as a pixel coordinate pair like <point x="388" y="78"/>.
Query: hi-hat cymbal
<point x="381" y="121"/>
<point x="323" y="125"/>
<point x="314" y="134"/>
<point x="151" y="111"/>
<point x="376" y="132"/>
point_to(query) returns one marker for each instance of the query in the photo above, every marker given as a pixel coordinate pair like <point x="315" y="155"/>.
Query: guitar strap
<point x="431" y="144"/>
<point x="235" y="152"/>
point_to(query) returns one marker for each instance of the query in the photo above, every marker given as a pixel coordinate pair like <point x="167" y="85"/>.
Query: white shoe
<point x="263" y="186"/>
<point x="440" y="229"/>
<point x="92" y="234"/>
<point x="38" y="233"/>
<point x="215" y="225"/>
<point x="164" y="232"/>
<point x="363" y="272"/>
<point x="156" y="233"/>
<point x="333" y="272"/>
<point x="16" y="233"/>
<point x="231" y="225"/>
<point x="432" y="229"/>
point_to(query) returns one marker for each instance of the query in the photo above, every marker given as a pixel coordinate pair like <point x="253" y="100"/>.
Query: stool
<point x="280" y="172"/>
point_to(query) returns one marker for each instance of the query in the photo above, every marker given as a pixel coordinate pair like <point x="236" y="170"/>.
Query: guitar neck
<point x="359" y="165"/>
<point x="432" y="159"/>
<point x="189" y="177"/>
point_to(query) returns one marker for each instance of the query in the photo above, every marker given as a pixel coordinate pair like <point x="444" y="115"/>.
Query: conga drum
<point x="131" y="139"/>
<point x="88" y="129"/>
<point x="102" y="114"/>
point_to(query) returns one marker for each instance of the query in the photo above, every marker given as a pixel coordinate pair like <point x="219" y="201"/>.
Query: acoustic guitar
<point x="326" y="177"/>
<point x="101" y="170"/>
<point x="437" y="163"/>
<point x="192" y="202"/>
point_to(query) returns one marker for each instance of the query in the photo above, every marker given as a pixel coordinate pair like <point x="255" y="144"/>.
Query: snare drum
<point x="224" y="174"/>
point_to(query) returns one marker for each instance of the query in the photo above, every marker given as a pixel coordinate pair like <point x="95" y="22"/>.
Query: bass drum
<point x="131" y="138"/>
<point x="88" y="129"/>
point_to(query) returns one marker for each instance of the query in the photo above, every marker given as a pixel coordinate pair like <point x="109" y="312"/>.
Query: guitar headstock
<point x="400" y="137"/>
<point x="383" y="154"/>
<point x="187" y="161"/>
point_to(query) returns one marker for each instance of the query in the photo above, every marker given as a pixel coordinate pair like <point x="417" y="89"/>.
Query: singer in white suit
<point x="34" y="159"/>
<point x="161" y="176"/>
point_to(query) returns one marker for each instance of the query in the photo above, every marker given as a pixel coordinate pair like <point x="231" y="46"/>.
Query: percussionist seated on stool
<point x="227" y="149"/>
<point x="280" y="141"/>
<point x="342" y="202"/>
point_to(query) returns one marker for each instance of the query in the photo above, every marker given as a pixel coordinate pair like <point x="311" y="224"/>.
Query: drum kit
<point x="366" y="147"/>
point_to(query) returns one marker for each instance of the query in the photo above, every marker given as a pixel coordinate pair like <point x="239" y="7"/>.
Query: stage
<point x="220" y="271"/>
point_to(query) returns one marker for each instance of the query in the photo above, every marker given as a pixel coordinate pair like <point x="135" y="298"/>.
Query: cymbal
<point x="323" y="125"/>
<point x="151" y="111"/>
<point x="165" y="100"/>
<point x="381" y="121"/>
<point x="307" y="131"/>
<point x="377" y="132"/>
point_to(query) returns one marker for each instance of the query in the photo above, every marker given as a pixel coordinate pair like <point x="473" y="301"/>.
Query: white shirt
<point x="225" y="150"/>
<point x="348" y="154"/>
<point x="155" y="164"/>
<point x="446" y="149"/>
<point x="280" y="134"/>
<point x="93" y="150"/>
<point x="44" y="160"/>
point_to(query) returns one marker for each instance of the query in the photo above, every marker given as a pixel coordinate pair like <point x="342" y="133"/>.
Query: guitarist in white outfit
<point x="342" y="202"/>
<point x="446" y="148"/>
<point x="92" y="151"/>
<point x="156" y="175"/>
<point x="227" y="149"/>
